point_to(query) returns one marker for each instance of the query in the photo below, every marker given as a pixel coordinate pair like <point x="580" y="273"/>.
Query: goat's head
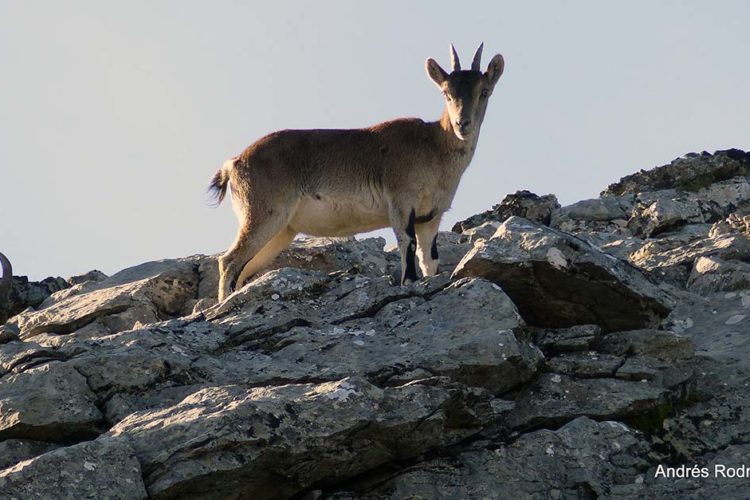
<point x="466" y="92"/>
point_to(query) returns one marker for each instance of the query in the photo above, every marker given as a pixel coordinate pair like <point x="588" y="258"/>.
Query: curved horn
<point x="455" y="63"/>
<point x="5" y="283"/>
<point x="475" y="64"/>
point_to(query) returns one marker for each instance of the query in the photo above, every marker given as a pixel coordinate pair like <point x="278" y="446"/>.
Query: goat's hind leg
<point x="251" y="239"/>
<point x="266" y="255"/>
<point x="247" y="244"/>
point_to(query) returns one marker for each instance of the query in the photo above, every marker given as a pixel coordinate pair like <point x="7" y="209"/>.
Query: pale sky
<point x="114" y="116"/>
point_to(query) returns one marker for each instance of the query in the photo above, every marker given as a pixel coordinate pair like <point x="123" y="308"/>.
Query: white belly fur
<point x="327" y="217"/>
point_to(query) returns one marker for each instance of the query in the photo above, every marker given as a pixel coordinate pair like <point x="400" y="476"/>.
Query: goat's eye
<point x="485" y="93"/>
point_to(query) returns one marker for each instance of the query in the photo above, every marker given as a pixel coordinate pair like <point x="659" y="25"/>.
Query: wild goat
<point x="402" y="173"/>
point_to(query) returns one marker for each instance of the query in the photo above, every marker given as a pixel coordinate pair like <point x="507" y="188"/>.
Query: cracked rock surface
<point x="561" y="352"/>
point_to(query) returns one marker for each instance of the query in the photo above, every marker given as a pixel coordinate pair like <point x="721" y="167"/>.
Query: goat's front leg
<point x="404" y="222"/>
<point x="427" y="246"/>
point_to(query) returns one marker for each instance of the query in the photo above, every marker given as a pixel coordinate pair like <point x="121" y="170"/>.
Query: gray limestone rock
<point x="25" y="294"/>
<point x="13" y="451"/>
<point x="589" y="364"/>
<point x="476" y="345"/>
<point x="104" y="468"/>
<point x="673" y="262"/>
<point x="733" y="223"/>
<point x="713" y="274"/>
<point x="658" y="344"/>
<point x="522" y="204"/>
<point x="575" y="338"/>
<point x="554" y="399"/>
<point x="94" y="275"/>
<point x="483" y="231"/>
<point x="138" y="295"/>
<point x="50" y="402"/>
<point x="272" y="442"/>
<point x="583" y="459"/>
<point x="596" y="209"/>
<point x="621" y="248"/>
<point x="335" y="254"/>
<point x="691" y="172"/>
<point x="607" y="214"/>
<point x="665" y="211"/>
<point x="557" y="280"/>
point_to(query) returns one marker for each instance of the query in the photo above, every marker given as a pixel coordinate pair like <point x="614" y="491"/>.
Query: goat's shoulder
<point x="400" y="125"/>
<point x="413" y="132"/>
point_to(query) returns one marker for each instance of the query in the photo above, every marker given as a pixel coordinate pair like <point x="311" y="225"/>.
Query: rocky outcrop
<point x="562" y="352"/>
<point x="693" y="172"/>
<point x="582" y="459"/>
<point x="105" y="468"/>
<point x="304" y="433"/>
<point x="24" y="294"/>
<point x="558" y="280"/>
<point x="6" y="282"/>
<point x="666" y="220"/>
<point x="139" y="295"/>
<point x="521" y="204"/>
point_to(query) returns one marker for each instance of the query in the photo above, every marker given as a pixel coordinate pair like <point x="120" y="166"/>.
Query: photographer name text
<point x="717" y="470"/>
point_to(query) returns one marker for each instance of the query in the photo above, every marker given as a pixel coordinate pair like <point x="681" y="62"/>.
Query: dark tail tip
<point x="217" y="189"/>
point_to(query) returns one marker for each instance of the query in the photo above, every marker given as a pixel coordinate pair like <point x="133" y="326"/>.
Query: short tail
<point x="220" y="181"/>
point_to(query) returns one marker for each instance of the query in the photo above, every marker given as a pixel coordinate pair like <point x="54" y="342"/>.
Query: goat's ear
<point x="435" y="72"/>
<point x="495" y="69"/>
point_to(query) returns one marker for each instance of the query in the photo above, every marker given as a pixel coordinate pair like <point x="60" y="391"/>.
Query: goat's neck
<point x="462" y="151"/>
